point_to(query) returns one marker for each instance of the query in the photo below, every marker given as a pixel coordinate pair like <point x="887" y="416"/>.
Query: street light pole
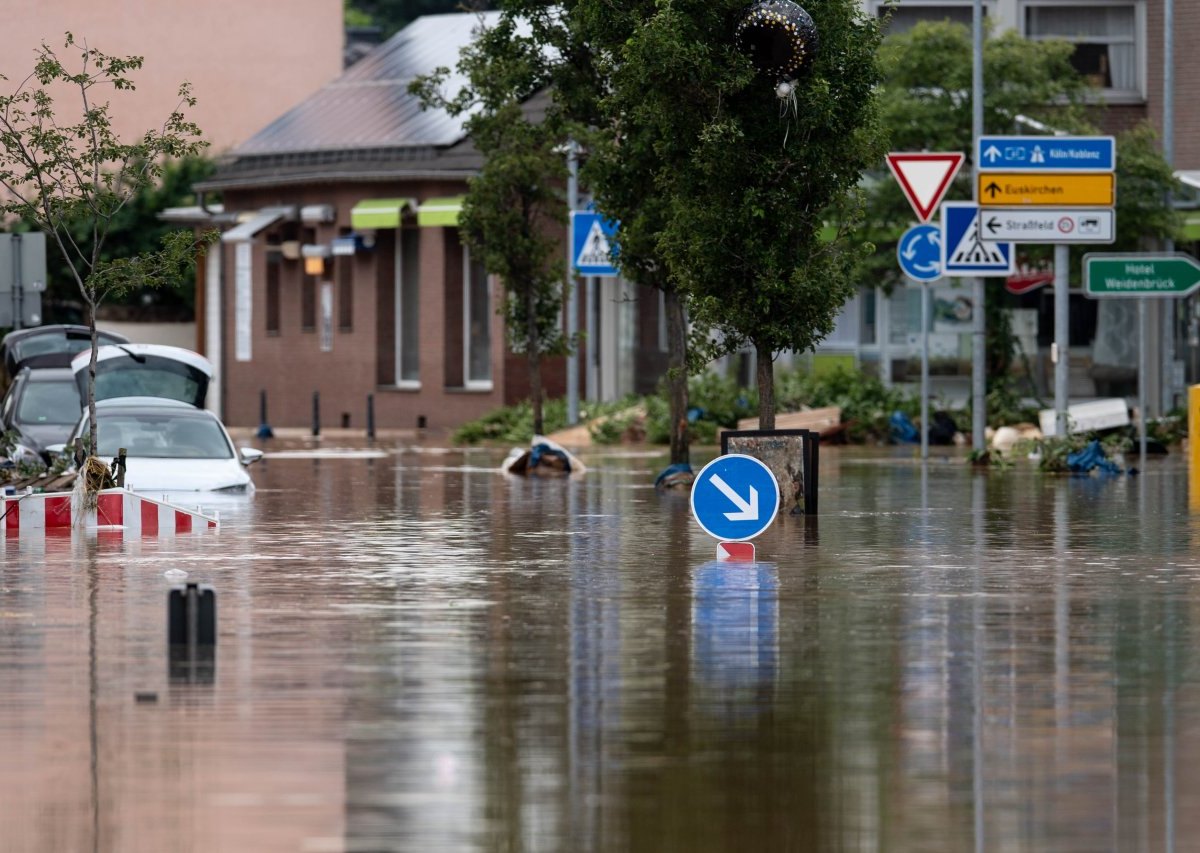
<point x="572" y="290"/>
<point x="978" y="321"/>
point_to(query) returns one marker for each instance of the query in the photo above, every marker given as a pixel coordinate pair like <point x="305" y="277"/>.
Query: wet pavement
<point x="417" y="653"/>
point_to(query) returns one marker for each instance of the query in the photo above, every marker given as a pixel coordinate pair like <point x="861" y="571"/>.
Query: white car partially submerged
<point x="170" y="446"/>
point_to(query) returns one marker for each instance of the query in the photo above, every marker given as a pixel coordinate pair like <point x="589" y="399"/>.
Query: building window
<point x="308" y="303"/>
<point x="274" y="265"/>
<point x="408" y="315"/>
<point x="1107" y="39"/>
<point x="477" y="323"/>
<point x="902" y="18"/>
<point x="345" y="279"/>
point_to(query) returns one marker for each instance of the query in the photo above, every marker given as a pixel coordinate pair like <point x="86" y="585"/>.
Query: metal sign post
<point x="22" y="279"/>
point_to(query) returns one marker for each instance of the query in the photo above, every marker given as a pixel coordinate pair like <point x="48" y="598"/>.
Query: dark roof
<point x="365" y="125"/>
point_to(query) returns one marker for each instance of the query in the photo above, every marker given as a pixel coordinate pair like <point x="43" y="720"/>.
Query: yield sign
<point x="925" y="177"/>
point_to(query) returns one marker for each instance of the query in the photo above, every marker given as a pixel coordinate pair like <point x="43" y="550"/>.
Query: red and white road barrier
<point x="116" y="510"/>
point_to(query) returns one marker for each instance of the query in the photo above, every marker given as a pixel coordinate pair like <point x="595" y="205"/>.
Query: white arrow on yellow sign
<point x="1050" y="189"/>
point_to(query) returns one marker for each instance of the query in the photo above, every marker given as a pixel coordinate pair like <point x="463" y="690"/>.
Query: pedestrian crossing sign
<point x="965" y="252"/>
<point x="594" y="245"/>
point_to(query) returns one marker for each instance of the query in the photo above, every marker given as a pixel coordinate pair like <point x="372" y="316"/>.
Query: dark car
<point x="18" y="347"/>
<point x="42" y="405"/>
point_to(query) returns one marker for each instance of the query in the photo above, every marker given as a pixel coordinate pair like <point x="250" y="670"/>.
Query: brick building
<point x="341" y="270"/>
<point x="246" y="62"/>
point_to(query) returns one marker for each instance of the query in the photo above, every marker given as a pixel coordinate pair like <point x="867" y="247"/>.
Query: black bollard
<point x="192" y="633"/>
<point x="371" y="417"/>
<point x="812" y="466"/>
<point x="316" y="426"/>
<point x="264" y="426"/>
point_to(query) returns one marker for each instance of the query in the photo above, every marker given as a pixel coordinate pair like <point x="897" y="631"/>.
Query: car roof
<point x="48" y="374"/>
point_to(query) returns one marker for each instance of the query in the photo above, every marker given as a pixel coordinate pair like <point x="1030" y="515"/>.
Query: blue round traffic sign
<point x="735" y="497"/>
<point x="920" y="252"/>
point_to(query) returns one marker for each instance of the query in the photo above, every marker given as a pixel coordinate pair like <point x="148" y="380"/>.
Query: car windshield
<point x="162" y="435"/>
<point x="54" y="402"/>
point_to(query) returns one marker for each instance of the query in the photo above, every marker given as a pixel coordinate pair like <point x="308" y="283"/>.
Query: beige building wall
<point x="248" y="60"/>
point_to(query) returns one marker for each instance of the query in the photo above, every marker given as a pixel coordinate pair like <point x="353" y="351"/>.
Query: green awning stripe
<point x="440" y="212"/>
<point x="378" y="213"/>
<point x="1191" y="225"/>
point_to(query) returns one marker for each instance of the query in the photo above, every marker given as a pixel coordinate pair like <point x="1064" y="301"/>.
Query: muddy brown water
<point x="417" y="653"/>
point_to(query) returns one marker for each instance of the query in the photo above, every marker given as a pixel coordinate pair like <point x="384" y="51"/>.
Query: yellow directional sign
<point x="1071" y="189"/>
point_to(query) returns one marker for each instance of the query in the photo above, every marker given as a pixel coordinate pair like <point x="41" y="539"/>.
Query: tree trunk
<point x="677" y="376"/>
<point x="93" y="430"/>
<point x="533" y="352"/>
<point x="766" y="387"/>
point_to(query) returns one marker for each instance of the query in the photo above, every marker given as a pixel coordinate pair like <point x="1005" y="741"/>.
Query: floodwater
<point x="416" y="653"/>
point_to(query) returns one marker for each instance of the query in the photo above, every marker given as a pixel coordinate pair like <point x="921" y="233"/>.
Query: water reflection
<point x="417" y="653"/>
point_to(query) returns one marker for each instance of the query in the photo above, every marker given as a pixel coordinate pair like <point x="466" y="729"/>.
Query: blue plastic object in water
<point x="902" y="429"/>
<point x="1092" y="456"/>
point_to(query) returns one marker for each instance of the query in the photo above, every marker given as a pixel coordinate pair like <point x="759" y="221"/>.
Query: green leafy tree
<point x="747" y="188"/>
<point x="625" y="158"/>
<point x="570" y="50"/>
<point x="515" y="204"/>
<point x="392" y="15"/>
<point x="62" y="165"/>
<point x="136" y="230"/>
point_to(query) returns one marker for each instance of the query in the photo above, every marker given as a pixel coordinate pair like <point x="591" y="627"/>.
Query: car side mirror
<point x="250" y="455"/>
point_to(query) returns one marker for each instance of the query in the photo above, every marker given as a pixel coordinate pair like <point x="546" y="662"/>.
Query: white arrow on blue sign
<point x="1047" y="153"/>
<point x="735" y="497"/>
<point x="593" y="244"/>
<point x="920" y="252"/>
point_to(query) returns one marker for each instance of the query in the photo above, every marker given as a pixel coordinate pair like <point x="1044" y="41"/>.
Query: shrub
<point x="866" y="404"/>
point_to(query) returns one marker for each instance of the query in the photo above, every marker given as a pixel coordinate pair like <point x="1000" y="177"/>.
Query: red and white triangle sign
<point x="925" y="176"/>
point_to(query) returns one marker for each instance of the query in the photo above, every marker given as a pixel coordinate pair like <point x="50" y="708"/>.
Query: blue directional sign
<point x="1047" y="153"/>
<point x="735" y="497"/>
<point x="920" y="252"/>
<point x="594" y="244"/>
<point x="965" y="252"/>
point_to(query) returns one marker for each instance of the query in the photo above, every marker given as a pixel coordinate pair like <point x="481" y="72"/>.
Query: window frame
<point x="878" y="7"/>
<point x="398" y="309"/>
<point x="1107" y="94"/>
<point x="469" y="383"/>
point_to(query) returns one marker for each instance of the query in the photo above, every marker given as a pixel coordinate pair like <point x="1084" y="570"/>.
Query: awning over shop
<point x="440" y="212"/>
<point x="378" y="212"/>
<point x="1189" y="178"/>
<point x="1191" y="224"/>
<point x="257" y="221"/>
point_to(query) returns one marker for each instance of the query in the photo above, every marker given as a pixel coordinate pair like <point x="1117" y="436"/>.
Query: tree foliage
<point x="64" y="169"/>
<point x="747" y="180"/>
<point x="515" y="204"/>
<point x="136" y="231"/>
<point x="392" y="15"/>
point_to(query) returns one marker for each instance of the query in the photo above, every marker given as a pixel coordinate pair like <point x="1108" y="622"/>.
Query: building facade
<point x="341" y="272"/>
<point x="1119" y="47"/>
<point x="246" y="62"/>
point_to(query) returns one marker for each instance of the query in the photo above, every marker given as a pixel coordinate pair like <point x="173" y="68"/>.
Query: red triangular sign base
<point x="925" y="177"/>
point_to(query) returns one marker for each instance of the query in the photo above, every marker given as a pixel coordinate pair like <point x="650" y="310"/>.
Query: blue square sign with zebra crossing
<point x="593" y="244"/>
<point x="964" y="251"/>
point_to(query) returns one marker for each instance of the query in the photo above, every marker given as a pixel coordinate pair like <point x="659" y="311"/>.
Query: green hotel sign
<point x="1140" y="275"/>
